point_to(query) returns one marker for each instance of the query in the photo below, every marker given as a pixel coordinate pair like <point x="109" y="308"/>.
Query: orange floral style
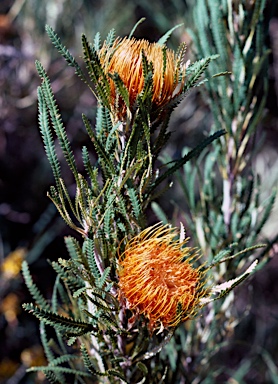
<point x="157" y="278"/>
<point x="125" y="59"/>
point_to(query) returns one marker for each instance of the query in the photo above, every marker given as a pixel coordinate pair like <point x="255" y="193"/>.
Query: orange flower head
<point x="157" y="278"/>
<point x="125" y="59"/>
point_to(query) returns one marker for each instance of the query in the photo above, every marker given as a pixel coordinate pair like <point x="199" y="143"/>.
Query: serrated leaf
<point x="166" y="36"/>
<point x="193" y="153"/>
<point x="64" y="323"/>
<point x="47" y="137"/>
<point x="34" y="291"/>
<point x="65" y="53"/>
<point x="223" y="289"/>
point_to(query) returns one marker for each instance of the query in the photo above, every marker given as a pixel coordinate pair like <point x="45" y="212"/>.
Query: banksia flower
<point x="131" y="60"/>
<point x="158" y="279"/>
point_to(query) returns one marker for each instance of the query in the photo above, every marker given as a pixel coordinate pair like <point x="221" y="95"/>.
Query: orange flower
<point x="125" y="59"/>
<point x="157" y="278"/>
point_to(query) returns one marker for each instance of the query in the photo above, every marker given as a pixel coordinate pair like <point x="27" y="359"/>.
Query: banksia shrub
<point x="127" y="287"/>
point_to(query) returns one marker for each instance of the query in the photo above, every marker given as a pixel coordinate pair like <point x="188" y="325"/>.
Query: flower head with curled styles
<point x="158" y="278"/>
<point x="132" y="60"/>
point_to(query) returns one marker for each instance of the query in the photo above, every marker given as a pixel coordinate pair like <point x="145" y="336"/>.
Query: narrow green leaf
<point x="193" y="153"/>
<point x="34" y="291"/>
<point x="121" y="88"/>
<point x="65" y="53"/>
<point x="97" y="42"/>
<point x="135" y="27"/>
<point x="47" y="137"/>
<point x="56" y="119"/>
<point x="64" y="323"/>
<point x="160" y="214"/>
<point x="59" y="369"/>
<point x="166" y="36"/>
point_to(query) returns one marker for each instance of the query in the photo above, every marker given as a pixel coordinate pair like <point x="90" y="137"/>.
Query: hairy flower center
<point x="155" y="279"/>
<point x="125" y="59"/>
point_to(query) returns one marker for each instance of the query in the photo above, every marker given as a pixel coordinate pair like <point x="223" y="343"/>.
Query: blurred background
<point x="30" y="226"/>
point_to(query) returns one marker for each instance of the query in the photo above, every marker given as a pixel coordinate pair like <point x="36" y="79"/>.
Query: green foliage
<point x="227" y="219"/>
<point x="91" y="369"/>
<point x="56" y="120"/>
<point x="164" y="38"/>
<point x="47" y="137"/>
<point x="194" y="152"/>
<point x="36" y="294"/>
<point x="65" y="52"/>
<point x="112" y="198"/>
<point x="61" y="323"/>
<point x="237" y="102"/>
